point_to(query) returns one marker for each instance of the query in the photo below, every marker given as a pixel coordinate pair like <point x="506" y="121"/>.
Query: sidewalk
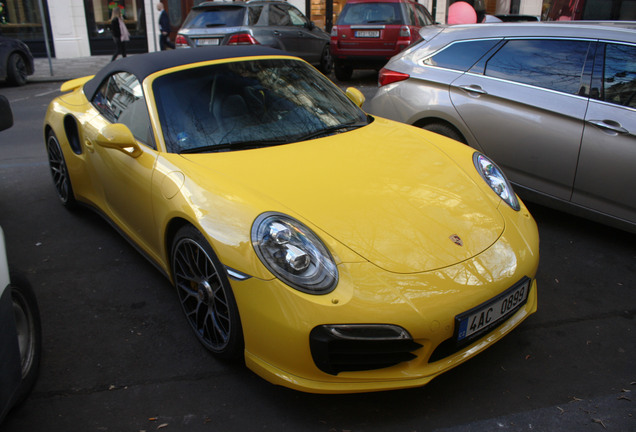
<point x="67" y="69"/>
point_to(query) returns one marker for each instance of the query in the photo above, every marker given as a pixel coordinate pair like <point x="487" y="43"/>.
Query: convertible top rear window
<point x="230" y="105"/>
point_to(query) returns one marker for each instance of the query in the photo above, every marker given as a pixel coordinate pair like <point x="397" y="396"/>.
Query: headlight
<point x="294" y="253"/>
<point x="496" y="180"/>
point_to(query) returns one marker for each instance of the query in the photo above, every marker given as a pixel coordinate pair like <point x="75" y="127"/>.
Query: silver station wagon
<point x="554" y="104"/>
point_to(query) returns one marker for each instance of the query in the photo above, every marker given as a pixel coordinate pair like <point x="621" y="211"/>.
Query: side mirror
<point x="310" y="25"/>
<point x="355" y="95"/>
<point x="6" y="116"/>
<point x="117" y="136"/>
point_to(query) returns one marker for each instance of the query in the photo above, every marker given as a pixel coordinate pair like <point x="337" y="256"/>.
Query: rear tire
<point x="445" y="130"/>
<point x="326" y="61"/>
<point x="343" y="73"/>
<point x="16" y="70"/>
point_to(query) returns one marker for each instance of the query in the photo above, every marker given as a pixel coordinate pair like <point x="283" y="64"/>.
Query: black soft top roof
<point x="146" y="64"/>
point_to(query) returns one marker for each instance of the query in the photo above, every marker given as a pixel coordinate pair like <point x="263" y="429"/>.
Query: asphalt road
<point x="118" y="355"/>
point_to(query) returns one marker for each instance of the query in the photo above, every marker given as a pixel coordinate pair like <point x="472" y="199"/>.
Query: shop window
<point x="98" y="16"/>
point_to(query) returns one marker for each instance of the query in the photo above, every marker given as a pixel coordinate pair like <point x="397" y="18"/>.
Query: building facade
<point x="81" y="28"/>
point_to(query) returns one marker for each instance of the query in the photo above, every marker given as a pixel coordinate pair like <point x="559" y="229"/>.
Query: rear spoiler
<point x="75" y="83"/>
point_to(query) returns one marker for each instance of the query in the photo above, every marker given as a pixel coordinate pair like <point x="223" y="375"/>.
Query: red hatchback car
<point x="369" y="32"/>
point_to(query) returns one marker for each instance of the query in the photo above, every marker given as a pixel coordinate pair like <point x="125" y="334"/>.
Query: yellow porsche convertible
<point x="330" y="250"/>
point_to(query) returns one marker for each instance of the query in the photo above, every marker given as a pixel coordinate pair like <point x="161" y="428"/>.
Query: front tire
<point x="16" y="70"/>
<point x="205" y="294"/>
<point x="57" y="164"/>
<point x="445" y="130"/>
<point x="29" y="332"/>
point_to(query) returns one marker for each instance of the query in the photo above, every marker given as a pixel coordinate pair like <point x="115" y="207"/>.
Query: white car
<point x="20" y="330"/>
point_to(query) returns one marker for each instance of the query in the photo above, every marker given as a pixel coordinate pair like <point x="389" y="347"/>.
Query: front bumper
<point x="277" y="320"/>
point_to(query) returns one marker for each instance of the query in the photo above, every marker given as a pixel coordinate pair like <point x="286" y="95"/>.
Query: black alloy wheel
<point x="205" y="294"/>
<point x="61" y="179"/>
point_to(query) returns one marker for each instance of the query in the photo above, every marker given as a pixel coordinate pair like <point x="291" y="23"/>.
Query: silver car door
<point x="606" y="175"/>
<point x="522" y="106"/>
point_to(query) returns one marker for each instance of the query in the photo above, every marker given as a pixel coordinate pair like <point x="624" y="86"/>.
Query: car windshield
<point x="219" y="16"/>
<point x="370" y="13"/>
<point x="247" y="104"/>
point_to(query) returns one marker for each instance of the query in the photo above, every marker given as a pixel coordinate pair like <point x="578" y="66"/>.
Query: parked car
<point x="297" y="239"/>
<point x="369" y="32"/>
<point x="554" y="104"/>
<point x="598" y="10"/>
<point x="16" y="61"/>
<point x="272" y="23"/>
<point x="20" y="329"/>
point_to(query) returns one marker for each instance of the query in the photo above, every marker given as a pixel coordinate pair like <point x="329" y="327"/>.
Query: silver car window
<point x="546" y="63"/>
<point x="461" y="55"/>
<point x="619" y="75"/>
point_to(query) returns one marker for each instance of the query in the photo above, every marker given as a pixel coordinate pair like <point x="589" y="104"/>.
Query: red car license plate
<point x="368" y="33"/>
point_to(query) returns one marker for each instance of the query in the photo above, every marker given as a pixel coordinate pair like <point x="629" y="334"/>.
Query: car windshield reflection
<point x="227" y="107"/>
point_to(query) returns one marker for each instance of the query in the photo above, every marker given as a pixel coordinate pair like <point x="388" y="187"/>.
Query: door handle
<point x="473" y="89"/>
<point x="609" y="125"/>
<point x="276" y="33"/>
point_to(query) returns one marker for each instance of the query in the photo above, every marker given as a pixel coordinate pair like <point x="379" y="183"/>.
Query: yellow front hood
<point x="383" y="191"/>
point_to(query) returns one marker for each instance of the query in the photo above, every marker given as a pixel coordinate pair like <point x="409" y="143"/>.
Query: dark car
<point x="272" y="23"/>
<point x="369" y="32"/>
<point x="16" y="61"/>
<point x="20" y="331"/>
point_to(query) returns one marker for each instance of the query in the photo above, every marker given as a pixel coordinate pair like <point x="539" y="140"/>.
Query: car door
<point x="310" y="40"/>
<point x="523" y="106"/>
<point x="606" y="173"/>
<point x="124" y="178"/>
<point x="285" y="34"/>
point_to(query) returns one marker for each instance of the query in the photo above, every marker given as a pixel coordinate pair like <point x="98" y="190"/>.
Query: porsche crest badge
<point x="457" y="240"/>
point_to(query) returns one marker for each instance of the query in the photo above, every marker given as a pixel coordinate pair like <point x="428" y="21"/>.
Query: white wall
<point x="530" y="7"/>
<point x="68" y="26"/>
<point x="152" y="24"/>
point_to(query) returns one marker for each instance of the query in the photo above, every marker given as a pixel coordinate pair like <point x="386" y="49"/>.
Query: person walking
<point x="164" y="28"/>
<point x="120" y="33"/>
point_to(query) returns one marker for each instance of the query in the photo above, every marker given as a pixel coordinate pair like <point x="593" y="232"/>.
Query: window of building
<point x="98" y="16"/>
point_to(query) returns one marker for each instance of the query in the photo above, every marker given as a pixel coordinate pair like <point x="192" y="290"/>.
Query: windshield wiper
<point x="232" y="146"/>
<point x="344" y="127"/>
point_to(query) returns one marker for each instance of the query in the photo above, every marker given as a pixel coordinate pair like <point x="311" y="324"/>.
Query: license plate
<point x="486" y="316"/>
<point x="207" y="41"/>
<point x="368" y="33"/>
